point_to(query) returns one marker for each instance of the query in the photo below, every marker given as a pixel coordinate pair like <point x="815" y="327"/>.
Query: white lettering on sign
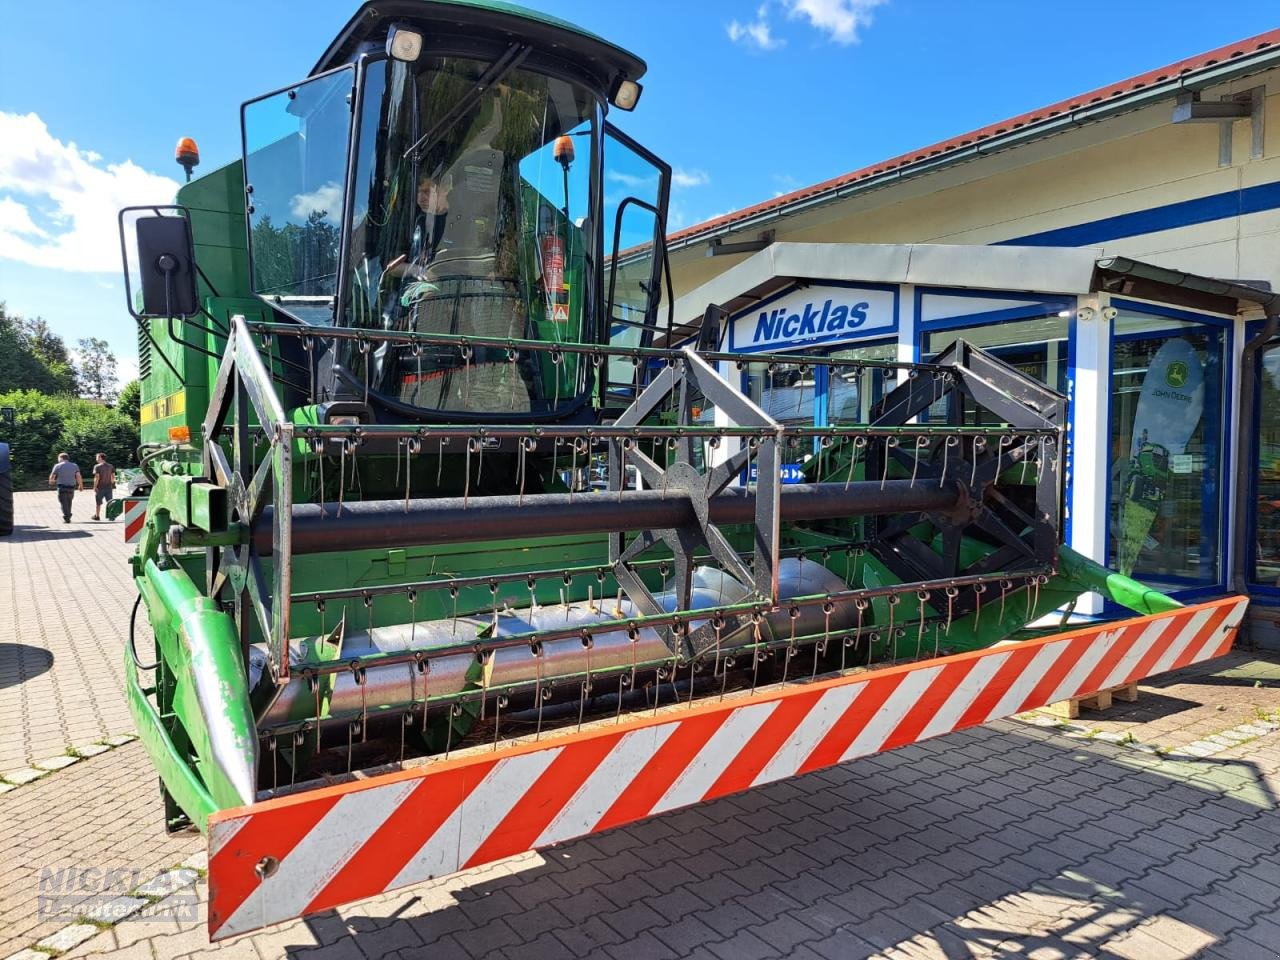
<point x="815" y="315"/>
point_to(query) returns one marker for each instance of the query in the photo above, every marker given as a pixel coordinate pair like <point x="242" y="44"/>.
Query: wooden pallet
<point x="1070" y="709"/>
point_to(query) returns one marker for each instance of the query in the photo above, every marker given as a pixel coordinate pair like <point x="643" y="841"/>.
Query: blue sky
<point x="745" y="99"/>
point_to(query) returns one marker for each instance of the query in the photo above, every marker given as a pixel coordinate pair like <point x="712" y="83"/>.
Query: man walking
<point x="104" y="483"/>
<point x="66" y="477"/>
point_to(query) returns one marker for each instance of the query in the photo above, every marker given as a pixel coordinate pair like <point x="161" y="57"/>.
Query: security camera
<point x="1109" y="313"/>
<point x="1084" y="314"/>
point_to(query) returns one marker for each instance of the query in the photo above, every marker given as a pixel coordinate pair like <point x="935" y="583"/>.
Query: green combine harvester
<point x="398" y="628"/>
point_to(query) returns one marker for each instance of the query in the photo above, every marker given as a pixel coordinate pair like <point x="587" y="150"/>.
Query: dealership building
<point x="1119" y="246"/>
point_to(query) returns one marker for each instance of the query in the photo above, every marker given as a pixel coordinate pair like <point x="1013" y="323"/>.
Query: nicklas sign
<point x="819" y="314"/>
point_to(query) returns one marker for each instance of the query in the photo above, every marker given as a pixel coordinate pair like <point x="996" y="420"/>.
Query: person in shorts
<point x="104" y="483"/>
<point x="65" y="475"/>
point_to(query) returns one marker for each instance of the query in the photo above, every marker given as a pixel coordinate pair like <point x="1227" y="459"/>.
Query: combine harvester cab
<point x="398" y="634"/>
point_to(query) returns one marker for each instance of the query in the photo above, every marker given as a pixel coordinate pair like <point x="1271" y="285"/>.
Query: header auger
<point x="454" y="549"/>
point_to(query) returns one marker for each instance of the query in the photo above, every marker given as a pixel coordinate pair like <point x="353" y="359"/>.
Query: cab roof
<point x="494" y="20"/>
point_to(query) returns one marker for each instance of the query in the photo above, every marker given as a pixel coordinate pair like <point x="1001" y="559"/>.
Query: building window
<point x="807" y="394"/>
<point x="1266" y="554"/>
<point x="853" y="391"/>
<point x="1037" y="347"/>
<point x="1166" y="430"/>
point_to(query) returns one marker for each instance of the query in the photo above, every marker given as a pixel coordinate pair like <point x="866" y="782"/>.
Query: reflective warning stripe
<point x="135" y="516"/>
<point x="342" y="843"/>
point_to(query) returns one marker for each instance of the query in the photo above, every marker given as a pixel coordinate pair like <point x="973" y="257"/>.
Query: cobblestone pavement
<point x="65" y="597"/>
<point x="1010" y="840"/>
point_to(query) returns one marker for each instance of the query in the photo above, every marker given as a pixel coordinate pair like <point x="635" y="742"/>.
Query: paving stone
<point x="167" y="883"/>
<point x="92" y="749"/>
<point x="68" y="937"/>
<point x="119" y="740"/>
<point x="58" y="762"/>
<point x="23" y="775"/>
<point x="28" y="954"/>
<point x="115" y="909"/>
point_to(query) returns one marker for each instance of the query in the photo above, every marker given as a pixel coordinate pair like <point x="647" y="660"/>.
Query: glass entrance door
<point x="1166" y="463"/>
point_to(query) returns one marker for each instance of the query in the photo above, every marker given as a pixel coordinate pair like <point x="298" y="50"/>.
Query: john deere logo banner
<point x="1170" y="407"/>
<point x="818" y="314"/>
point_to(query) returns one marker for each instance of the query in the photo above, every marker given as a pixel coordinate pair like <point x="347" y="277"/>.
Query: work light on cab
<point x="626" y="95"/>
<point x="404" y="44"/>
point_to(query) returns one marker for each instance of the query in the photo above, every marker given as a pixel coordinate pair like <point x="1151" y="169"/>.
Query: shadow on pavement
<point x="991" y="842"/>
<point x="26" y="533"/>
<point x="19" y="662"/>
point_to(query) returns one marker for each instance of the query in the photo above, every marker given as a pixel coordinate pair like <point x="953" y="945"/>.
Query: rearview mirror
<point x="163" y="263"/>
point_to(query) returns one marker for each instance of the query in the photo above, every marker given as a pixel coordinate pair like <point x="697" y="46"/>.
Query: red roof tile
<point x="1109" y="92"/>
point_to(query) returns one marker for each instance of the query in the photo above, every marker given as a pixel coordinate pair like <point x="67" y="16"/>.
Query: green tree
<point x="130" y="400"/>
<point x="52" y="351"/>
<point x="23" y="364"/>
<point x="97" y="369"/>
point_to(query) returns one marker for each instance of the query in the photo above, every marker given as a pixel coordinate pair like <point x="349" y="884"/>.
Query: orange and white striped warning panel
<point x="134" y="515"/>
<point x="295" y="855"/>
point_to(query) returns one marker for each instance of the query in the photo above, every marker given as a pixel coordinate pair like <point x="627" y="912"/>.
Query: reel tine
<point x="455" y="711"/>
<point x="404" y="722"/>
<point x="922" y="596"/>
<point x="540" y="692"/>
<point x="426" y="692"/>
<point x="573" y="469"/>
<point x="858" y="443"/>
<point x="499" y="702"/>
<point x="466" y="488"/>
<point x="828" y="607"/>
<point x="756" y="653"/>
<point x="319" y="449"/>
<point x="440" y="461"/>
<point x="889" y="443"/>
<point x="894" y="600"/>
<point x="520" y="461"/>
<point x="512" y="355"/>
<point x="466" y="376"/>
<point x="794" y="614"/>
<point x="952" y="593"/>
<point x="342" y="472"/>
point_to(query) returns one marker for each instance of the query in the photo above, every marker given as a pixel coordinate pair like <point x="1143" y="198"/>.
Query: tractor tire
<point x="6" y="504"/>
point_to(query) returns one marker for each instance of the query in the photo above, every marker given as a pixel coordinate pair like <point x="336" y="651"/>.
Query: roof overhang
<point x="1070" y="271"/>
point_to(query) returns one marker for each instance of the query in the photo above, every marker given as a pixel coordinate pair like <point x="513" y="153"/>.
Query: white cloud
<point x="15" y="218"/>
<point x="58" y="203"/>
<point x="631" y="180"/>
<point x="682" y="179"/>
<point x="327" y="198"/>
<point x="839" y="19"/>
<point x="757" y="33"/>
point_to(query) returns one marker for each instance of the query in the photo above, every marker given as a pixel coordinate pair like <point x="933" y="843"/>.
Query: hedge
<point x="48" y="425"/>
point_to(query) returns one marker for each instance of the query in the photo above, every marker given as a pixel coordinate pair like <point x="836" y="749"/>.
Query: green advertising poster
<point x="1170" y="405"/>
